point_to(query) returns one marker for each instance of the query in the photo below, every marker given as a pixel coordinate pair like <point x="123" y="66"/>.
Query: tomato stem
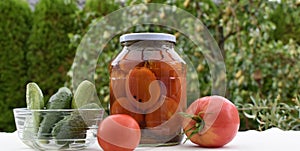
<point x="199" y="125"/>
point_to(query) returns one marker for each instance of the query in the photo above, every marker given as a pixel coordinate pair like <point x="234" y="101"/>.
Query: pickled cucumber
<point x="60" y="100"/>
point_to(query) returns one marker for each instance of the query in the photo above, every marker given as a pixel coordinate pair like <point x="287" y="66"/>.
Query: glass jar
<point x="148" y="82"/>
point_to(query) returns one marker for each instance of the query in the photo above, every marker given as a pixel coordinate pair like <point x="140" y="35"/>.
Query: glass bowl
<point x="58" y="129"/>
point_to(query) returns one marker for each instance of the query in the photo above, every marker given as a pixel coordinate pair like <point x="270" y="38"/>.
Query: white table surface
<point x="270" y="140"/>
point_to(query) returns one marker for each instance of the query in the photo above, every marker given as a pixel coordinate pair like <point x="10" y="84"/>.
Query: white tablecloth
<point x="270" y="140"/>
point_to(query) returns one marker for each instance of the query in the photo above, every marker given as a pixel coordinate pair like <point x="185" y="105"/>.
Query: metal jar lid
<point x="147" y="36"/>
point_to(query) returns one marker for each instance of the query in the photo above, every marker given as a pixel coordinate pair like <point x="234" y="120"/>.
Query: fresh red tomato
<point x="211" y="121"/>
<point x="118" y="132"/>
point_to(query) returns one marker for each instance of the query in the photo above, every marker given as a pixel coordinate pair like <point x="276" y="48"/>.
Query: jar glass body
<point x="148" y="82"/>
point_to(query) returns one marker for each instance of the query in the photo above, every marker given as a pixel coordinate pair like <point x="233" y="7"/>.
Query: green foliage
<point x="49" y="56"/>
<point x="101" y="8"/>
<point x="258" y="39"/>
<point x="286" y="17"/>
<point x="272" y="112"/>
<point x="91" y="13"/>
<point x="15" y="24"/>
<point x="257" y="63"/>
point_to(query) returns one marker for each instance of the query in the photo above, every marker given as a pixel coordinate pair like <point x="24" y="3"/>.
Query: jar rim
<point x="147" y="36"/>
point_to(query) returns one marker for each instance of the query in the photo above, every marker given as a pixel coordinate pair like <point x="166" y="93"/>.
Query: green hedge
<point x="49" y="56"/>
<point x="15" y="24"/>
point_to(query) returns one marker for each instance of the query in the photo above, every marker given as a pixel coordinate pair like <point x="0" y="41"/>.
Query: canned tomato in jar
<point x="148" y="82"/>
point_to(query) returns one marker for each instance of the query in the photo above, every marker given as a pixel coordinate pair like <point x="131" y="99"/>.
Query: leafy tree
<point x="260" y="66"/>
<point x="286" y="18"/>
<point x="101" y="8"/>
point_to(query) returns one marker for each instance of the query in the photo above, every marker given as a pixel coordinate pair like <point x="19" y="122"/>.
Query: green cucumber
<point x="89" y="116"/>
<point x="34" y="101"/>
<point x="34" y="96"/>
<point x="85" y="94"/>
<point x="60" y="100"/>
<point x="70" y="127"/>
<point x="75" y="125"/>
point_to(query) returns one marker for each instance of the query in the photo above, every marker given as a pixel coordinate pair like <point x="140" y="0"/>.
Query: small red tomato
<point x="211" y="121"/>
<point x="118" y="132"/>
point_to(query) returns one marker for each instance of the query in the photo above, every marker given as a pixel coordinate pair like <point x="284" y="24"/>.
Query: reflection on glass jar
<point x="148" y="82"/>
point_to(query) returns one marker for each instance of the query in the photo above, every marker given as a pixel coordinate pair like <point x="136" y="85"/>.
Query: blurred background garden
<point x="259" y="40"/>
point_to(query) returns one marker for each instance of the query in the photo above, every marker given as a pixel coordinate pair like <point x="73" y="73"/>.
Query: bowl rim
<point x="54" y="110"/>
